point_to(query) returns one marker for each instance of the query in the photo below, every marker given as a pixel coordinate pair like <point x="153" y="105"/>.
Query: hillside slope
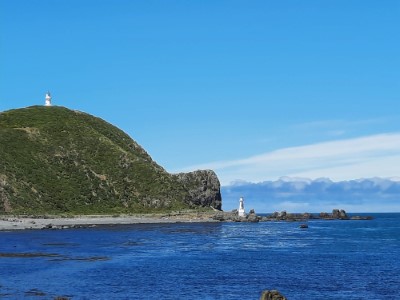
<point x="53" y="160"/>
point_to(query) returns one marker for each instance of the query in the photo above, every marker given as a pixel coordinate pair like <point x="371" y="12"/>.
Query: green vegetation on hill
<point x="55" y="160"/>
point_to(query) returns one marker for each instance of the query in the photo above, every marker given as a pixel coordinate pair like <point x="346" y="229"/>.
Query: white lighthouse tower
<point x="48" y="99"/>
<point x="241" y="211"/>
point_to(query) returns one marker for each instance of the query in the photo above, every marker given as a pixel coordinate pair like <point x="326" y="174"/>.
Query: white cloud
<point x="339" y="125"/>
<point x="370" y="156"/>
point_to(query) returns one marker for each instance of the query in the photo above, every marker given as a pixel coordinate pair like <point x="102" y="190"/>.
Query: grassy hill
<point x="55" y="160"/>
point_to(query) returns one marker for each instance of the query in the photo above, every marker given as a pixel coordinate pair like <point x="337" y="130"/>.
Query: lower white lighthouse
<point x="48" y="99"/>
<point x="241" y="210"/>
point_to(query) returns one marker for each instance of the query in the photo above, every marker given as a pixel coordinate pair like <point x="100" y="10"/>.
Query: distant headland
<point x="55" y="160"/>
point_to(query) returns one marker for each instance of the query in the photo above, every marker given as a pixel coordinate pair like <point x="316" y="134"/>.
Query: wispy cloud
<point x="375" y="155"/>
<point x="341" y="124"/>
<point x="339" y="128"/>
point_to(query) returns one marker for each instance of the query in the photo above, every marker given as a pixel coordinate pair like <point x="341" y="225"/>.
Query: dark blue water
<point x="329" y="260"/>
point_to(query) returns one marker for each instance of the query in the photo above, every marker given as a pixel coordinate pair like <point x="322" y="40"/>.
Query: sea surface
<point x="329" y="260"/>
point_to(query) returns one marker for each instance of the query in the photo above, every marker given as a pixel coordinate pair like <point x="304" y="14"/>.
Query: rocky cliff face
<point x="203" y="187"/>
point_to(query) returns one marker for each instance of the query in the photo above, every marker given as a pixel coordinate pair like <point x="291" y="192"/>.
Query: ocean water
<point x="329" y="260"/>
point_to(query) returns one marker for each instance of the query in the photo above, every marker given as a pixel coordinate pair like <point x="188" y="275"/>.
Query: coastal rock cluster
<point x="336" y="214"/>
<point x="233" y="216"/>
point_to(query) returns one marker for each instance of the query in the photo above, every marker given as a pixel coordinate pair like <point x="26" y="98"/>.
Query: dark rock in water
<point x="303" y="226"/>
<point x="339" y="214"/>
<point x="324" y="215"/>
<point x="275" y="215"/>
<point x="203" y="187"/>
<point x="284" y="216"/>
<point x="272" y="295"/>
<point x="252" y="217"/>
<point x="336" y="215"/>
<point x="278" y="216"/>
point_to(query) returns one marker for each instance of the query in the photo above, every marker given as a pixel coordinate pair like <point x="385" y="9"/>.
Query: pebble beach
<point x="55" y="222"/>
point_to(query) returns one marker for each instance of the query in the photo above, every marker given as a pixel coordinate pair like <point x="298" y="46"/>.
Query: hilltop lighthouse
<point x="48" y="99"/>
<point x="241" y="211"/>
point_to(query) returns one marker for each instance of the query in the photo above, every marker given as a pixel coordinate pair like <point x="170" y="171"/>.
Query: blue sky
<point x="226" y="85"/>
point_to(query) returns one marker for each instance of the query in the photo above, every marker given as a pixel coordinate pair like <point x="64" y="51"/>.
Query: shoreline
<point x="10" y="223"/>
<point x="31" y="222"/>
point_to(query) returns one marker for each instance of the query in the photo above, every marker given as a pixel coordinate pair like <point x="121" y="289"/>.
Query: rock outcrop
<point x="203" y="187"/>
<point x="272" y="295"/>
<point x="285" y="216"/>
<point x="335" y="215"/>
<point x="233" y="216"/>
